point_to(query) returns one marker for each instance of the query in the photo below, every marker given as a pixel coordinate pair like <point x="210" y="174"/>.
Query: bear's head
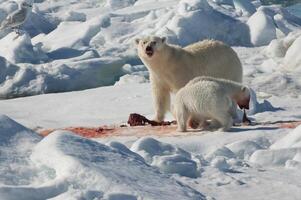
<point x="242" y="98"/>
<point x="149" y="47"/>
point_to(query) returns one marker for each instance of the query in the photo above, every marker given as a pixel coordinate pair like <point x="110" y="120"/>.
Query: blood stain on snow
<point x="141" y="126"/>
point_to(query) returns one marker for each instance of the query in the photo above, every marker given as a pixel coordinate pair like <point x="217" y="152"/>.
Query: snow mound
<point x="262" y="28"/>
<point x="205" y="22"/>
<point x="269" y="23"/>
<point x="117" y="4"/>
<point x="277" y="157"/>
<point x="16" y="143"/>
<point x="64" y="35"/>
<point x="12" y="133"/>
<point x="291" y="140"/>
<point x="176" y="164"/>
<point x="166" y="157"/>
<point x="76" y="157"/>
<point x="37" y="23"/>
<point x="244" y="149"/>
<point x="292" y="59"/>
<point x="220" y="163"/>
<point x="27" y="79"/>
<point x="74" y="16"/>
<point x="284" y="52"/>
<point x="131" y="78"/>
<point x="244" y="6"/>
<point x="284" y="152"/>
<point x="19" y="49"/>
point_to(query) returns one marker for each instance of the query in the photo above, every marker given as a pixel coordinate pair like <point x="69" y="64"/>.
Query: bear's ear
<point x="163" y="39"/>
<point x="137" y="40"/>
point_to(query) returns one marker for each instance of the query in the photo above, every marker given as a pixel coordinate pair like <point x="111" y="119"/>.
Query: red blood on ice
<point x="141" y="126"/>
<point x="290" y="125"/>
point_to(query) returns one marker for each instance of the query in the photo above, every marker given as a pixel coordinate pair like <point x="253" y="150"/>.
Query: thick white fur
<point x="172" y="67"/>
<point x="206" y="98"/>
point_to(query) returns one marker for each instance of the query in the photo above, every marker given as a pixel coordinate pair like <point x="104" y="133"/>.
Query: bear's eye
<point x="144" y="42"/>
<point x="154" y="43"/>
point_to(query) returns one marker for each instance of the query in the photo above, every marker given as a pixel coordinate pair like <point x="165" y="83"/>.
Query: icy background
<point x="72" y="45"/>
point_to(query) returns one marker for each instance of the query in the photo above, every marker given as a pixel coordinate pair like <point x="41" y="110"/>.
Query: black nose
<point x="148" y="48"/>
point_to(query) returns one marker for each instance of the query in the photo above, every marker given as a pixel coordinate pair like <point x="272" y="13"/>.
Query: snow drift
<point x="76" y="167"/>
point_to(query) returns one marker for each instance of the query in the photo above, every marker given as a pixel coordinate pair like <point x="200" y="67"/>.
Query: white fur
<point x="172" y="67"/>
<point x="206" y="98"/>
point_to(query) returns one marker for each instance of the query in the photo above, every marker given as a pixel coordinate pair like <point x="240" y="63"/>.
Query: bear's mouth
<point x="244" y="104"/>
<point x="149" y="51"/>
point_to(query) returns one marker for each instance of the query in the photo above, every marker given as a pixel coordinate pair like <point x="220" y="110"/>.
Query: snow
<point x="262" y="28"/>
<point x="244" y="6"/>
<point x="61" y="38"/>
<point x="293" y="139"/>
<point x="292" y="57"/>
<point x="76" y="45"/>
<point x="210" y="164"/>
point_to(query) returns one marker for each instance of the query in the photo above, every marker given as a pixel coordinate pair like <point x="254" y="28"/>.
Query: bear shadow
<point x="266" y="106"/>
<point x="242" y="129"/>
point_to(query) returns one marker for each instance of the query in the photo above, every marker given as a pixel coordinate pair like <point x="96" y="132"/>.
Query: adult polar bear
<point x="172" y="67"/>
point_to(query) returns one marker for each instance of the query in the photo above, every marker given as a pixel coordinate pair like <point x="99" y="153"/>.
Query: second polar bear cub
<point x="206" y="98"/>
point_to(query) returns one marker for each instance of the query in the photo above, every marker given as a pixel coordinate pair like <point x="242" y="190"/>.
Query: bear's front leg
<point x="161" y="100"/>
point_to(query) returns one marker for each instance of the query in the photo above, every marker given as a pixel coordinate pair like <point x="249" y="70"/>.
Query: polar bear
<point x="172" y="67"/>
<point x="206" y="98"/>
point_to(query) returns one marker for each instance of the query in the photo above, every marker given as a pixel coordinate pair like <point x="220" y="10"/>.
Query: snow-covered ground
<point x="73" y="45"/>
<point x="257" y="162"/>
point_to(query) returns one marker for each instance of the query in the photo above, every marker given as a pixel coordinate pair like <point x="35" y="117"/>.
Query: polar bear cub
<point x="171" y="67"/>
<point x="206" y="98"/>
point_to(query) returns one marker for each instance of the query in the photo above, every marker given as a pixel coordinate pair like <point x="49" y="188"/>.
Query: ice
<point x="148" y="148"/>
<point x="70" y="36"/>
<point x="276" y="157"/>
<point x="244" y="149"/>
<point x="220" y="163"/>
<point x="75" y="16"/>
<point x="244" y="6"/>
<point x="38" y="24"/>
<point x="128" y="79"/>
<point x="201" y="13"/>
<point x="262" y="28"/>
<point x="284" y="152"/>
<point x="65" y="37"/>
<point x="117" y="4"/>
<point x="220" y="152"/>
<point x="276" y="48"/>
<point x="291" y="140"/>
<point x="12" y="133"/>
<point x="292" y="59"/>
<point x="16" y="145"/>
<point x="76" y="45"/>
<point x="166" y="157"/>
<point x="176" y="164"/>
<point x="19" y="49"/>
<point x="77" y="158"/>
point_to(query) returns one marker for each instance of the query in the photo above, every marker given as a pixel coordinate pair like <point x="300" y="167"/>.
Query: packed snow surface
<point x="74" y="45"/>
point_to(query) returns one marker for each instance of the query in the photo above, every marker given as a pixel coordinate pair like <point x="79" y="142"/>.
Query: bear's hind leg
<point x="226" y="121"/>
